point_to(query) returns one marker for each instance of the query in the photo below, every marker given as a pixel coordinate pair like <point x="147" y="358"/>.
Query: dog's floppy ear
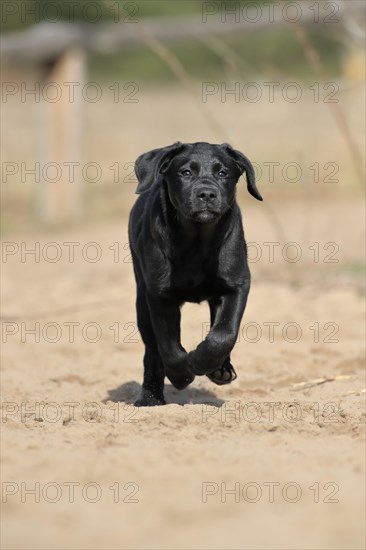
<point x="149" y="165"/>
<point x="244" y="165"/>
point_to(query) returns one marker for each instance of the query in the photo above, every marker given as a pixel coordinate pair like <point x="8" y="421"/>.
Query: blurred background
<point x="102" y="82"/>
<point x="87" y="86"/>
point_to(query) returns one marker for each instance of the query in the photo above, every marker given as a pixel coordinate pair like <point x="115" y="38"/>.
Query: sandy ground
<point x="274" y="461"/>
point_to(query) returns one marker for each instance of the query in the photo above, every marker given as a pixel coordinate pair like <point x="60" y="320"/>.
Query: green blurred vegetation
<point x="274" y="52"/>
<point x="17" y="14"/>
<point x="20" y="14"/>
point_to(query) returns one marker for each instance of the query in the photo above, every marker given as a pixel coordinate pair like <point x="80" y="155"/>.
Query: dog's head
<point x="201" y="178"/>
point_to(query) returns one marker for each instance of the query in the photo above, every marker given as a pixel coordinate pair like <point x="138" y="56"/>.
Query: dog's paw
<point x="204" y="360"/>
<point x="178" y="372"/>
<point x="223" y="376"/>
<point x="147" y="399"/>
<point x="149" y="402"/>
<point x="180" y="380"/>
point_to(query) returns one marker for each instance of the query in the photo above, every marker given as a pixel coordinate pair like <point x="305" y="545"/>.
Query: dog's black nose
<point x="206" y="194"/>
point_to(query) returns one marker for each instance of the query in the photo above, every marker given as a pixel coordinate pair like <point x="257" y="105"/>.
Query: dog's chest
<point x="192" y="272"/>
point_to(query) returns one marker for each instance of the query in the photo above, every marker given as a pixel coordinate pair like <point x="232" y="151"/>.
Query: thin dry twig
<point x="336" y="111"/>
<point x="318" y="382"/>
<point x="355" y="392"/>
<point x="233" y="61"/>
<point x="180" y="72"/>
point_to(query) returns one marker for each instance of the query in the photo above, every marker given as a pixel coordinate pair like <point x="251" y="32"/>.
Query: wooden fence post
<point x="59" y="197"/>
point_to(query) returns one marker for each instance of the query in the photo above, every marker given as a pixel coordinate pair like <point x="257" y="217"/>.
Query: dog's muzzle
<point x="206" y="204"/>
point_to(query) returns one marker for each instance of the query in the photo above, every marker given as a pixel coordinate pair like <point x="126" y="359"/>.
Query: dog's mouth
<point x="205" y="215"/>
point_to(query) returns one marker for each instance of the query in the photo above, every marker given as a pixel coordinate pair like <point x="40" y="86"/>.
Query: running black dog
<point x="187" y="243"/>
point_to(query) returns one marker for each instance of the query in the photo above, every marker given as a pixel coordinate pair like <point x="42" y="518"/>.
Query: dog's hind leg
<point x="153" y="385"/>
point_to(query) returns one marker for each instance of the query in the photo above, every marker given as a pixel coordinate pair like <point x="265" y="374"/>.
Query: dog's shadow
<point x="130" y="391"/>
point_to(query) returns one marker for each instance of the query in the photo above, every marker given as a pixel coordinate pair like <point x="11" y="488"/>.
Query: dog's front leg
<point x="165" y="317"/>
<point x="210" y="354"/>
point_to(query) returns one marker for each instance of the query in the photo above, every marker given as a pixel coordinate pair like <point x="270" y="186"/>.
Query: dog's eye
<point x="222" y="174"/>
<point x="186" y="173"/>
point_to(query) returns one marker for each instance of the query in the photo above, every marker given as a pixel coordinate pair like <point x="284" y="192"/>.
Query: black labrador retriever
<point x="187" y="243"/>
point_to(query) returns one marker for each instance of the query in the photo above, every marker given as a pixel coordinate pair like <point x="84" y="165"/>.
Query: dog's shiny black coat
<point x="187" y="243"/>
